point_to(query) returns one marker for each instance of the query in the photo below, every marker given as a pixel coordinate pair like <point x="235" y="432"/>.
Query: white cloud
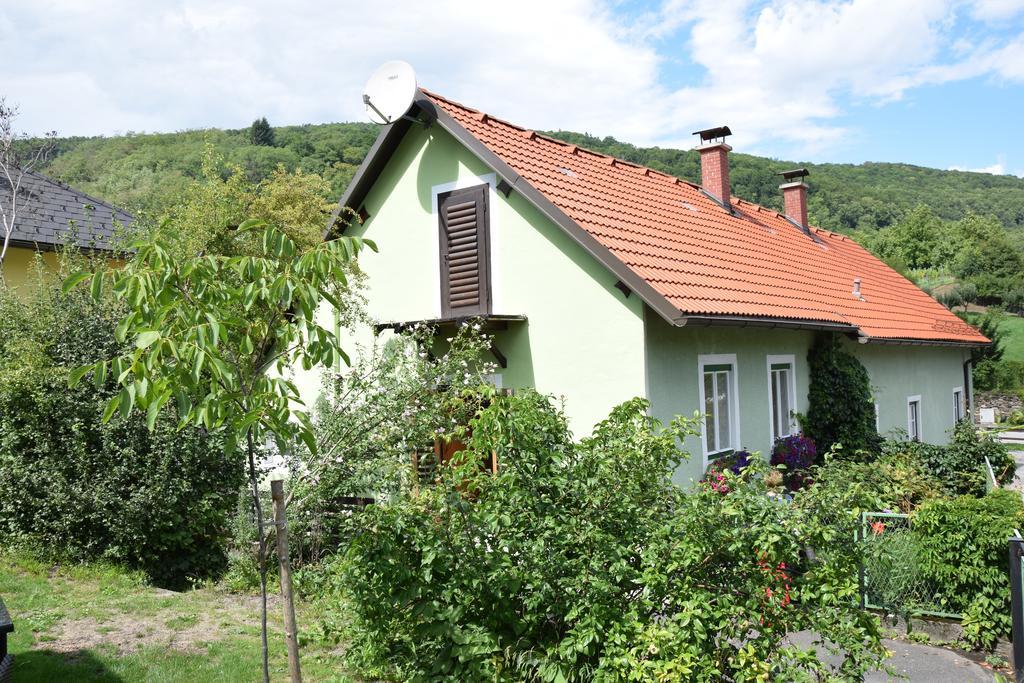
<point x="779" y="72"/>
<point x="998" y="168"/>
<point x="995" y="10"/>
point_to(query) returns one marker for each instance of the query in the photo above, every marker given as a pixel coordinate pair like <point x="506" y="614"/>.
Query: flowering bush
<point x="796" y="453"/>
<point x="715" y="478"/>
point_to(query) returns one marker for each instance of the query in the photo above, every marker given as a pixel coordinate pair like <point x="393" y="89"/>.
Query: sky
<point x="937" y="83"/>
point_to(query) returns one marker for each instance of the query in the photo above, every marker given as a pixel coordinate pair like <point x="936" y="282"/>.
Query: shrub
<point x="896" y="481"/>
<point x="964" y="553"/>
<point x="582" y="561"/>
<point x="841" y="410"/>
<point x="960" y="467"/>
<point x="74" y="488"/>
<point x="391" y="402"/>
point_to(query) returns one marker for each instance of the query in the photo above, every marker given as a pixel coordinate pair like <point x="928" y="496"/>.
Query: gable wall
<point x="584" y="339"/>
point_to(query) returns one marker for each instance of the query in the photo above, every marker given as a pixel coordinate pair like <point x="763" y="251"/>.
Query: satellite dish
<point x="390" y="92"/>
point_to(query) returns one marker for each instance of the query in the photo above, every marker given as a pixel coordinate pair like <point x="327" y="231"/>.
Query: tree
<point x="261" y="133"/>
<point x="217" y="335"/>
<point x="18" y="156"/>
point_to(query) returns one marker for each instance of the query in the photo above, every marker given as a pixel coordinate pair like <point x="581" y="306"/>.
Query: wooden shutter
<point x="465" y="252"/>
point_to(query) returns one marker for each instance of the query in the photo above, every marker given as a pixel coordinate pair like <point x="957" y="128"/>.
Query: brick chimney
<point x="794" y="196"/>
<point x="714" y="163"/>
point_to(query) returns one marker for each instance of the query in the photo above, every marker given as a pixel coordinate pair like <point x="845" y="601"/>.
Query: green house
<point x="602" y="280"/>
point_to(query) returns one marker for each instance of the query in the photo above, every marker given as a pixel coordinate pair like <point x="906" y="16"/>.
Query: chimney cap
<point x="713" y="133"/>
<point x="794" y="175"/>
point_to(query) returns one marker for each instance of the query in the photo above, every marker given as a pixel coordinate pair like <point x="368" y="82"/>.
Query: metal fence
<point x="891" y="577"/>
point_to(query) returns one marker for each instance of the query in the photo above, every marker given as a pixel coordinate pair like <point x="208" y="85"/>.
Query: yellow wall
<point x="19" y="264"/>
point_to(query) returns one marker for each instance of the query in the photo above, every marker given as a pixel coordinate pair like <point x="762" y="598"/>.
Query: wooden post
<point x="291" y="632"/>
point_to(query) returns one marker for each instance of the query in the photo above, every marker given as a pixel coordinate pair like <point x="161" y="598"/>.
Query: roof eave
<point x="766" y="321"/>
<point x="905" y="341"/>
<point x="38" y="245"/>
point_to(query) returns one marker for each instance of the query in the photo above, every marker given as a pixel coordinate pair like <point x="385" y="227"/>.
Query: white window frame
<point x="878" y="417"/>
<point x="919" y="436"/>
<point x="959" y="405"/>
<point x="729" y="359"/>
<point x="782" y="359"/>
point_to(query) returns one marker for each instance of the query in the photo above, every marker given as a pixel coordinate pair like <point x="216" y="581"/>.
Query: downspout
<point x="969" y="388"/>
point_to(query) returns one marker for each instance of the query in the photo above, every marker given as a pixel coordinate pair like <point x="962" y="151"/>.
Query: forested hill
<point x="146" y="171"/>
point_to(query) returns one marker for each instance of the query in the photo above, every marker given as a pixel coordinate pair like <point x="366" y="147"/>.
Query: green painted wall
<point x="584" y="340"/>
<point x="673" y="379"/>
<point x="896" y="373"/>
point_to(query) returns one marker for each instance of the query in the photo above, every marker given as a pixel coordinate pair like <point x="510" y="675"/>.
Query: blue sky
<point x="933" y="82"/>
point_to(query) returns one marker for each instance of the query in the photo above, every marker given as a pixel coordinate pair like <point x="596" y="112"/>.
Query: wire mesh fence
<point x="892" y="577"/>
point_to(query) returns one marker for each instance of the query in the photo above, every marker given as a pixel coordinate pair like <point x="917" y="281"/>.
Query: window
<point x="465" y="252"/>
<point x="914" y="418"/>
<point x="718" y="396"/>
<point x="781" y="395"/>
<point x="958" y="404"/>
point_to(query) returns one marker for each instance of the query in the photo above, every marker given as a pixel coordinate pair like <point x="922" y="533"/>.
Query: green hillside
<point x="145" y="171"/>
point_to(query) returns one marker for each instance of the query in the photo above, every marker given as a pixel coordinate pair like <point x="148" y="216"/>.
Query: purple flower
<point x="795" y="452"/>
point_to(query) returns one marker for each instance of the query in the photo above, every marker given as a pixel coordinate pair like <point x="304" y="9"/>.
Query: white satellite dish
<point x="390" y="92"/>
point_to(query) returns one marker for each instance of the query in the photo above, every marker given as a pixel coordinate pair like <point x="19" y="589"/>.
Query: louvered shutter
<point x="465" y="252"/>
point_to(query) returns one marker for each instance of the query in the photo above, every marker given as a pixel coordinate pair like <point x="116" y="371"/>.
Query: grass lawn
<point x="93" y="623"/>
<point x="1013" y="328"/>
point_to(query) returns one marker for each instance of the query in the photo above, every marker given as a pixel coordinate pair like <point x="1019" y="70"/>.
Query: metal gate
<point x="891" y="576"/>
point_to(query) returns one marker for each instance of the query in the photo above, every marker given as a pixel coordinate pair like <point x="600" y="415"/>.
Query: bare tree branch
<point x="19" y="155"/>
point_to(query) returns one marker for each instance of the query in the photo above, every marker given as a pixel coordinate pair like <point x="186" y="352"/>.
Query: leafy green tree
<point x="260" y="133"/>
<point x="205" y="218"/>
<point x="988" y="257"/>
<point x="216" y="336"/>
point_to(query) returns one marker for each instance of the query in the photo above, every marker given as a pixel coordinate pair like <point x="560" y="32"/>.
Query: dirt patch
<point x="184" y="630"/>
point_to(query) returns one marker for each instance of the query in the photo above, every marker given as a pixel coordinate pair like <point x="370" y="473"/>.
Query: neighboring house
<point x="51" y="215"/>
<point x="602" y="280"/>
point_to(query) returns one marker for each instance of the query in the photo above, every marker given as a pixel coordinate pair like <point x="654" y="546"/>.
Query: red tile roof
<point x="706" y="261"/>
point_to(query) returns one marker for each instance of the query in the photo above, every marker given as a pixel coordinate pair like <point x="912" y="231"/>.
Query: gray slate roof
<point x="51" y="214"/>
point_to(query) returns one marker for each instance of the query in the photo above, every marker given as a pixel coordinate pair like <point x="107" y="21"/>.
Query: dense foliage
<point x="963" y="550"/>
<point x="147" y="172"/>
<point x="959" y="467"/>
<point x="896" y="481"/>
<point x="840" y="408"/>
<point x="582" y="561"/>
<point x="390" y="403"/>
<point x="73" y="487"/>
